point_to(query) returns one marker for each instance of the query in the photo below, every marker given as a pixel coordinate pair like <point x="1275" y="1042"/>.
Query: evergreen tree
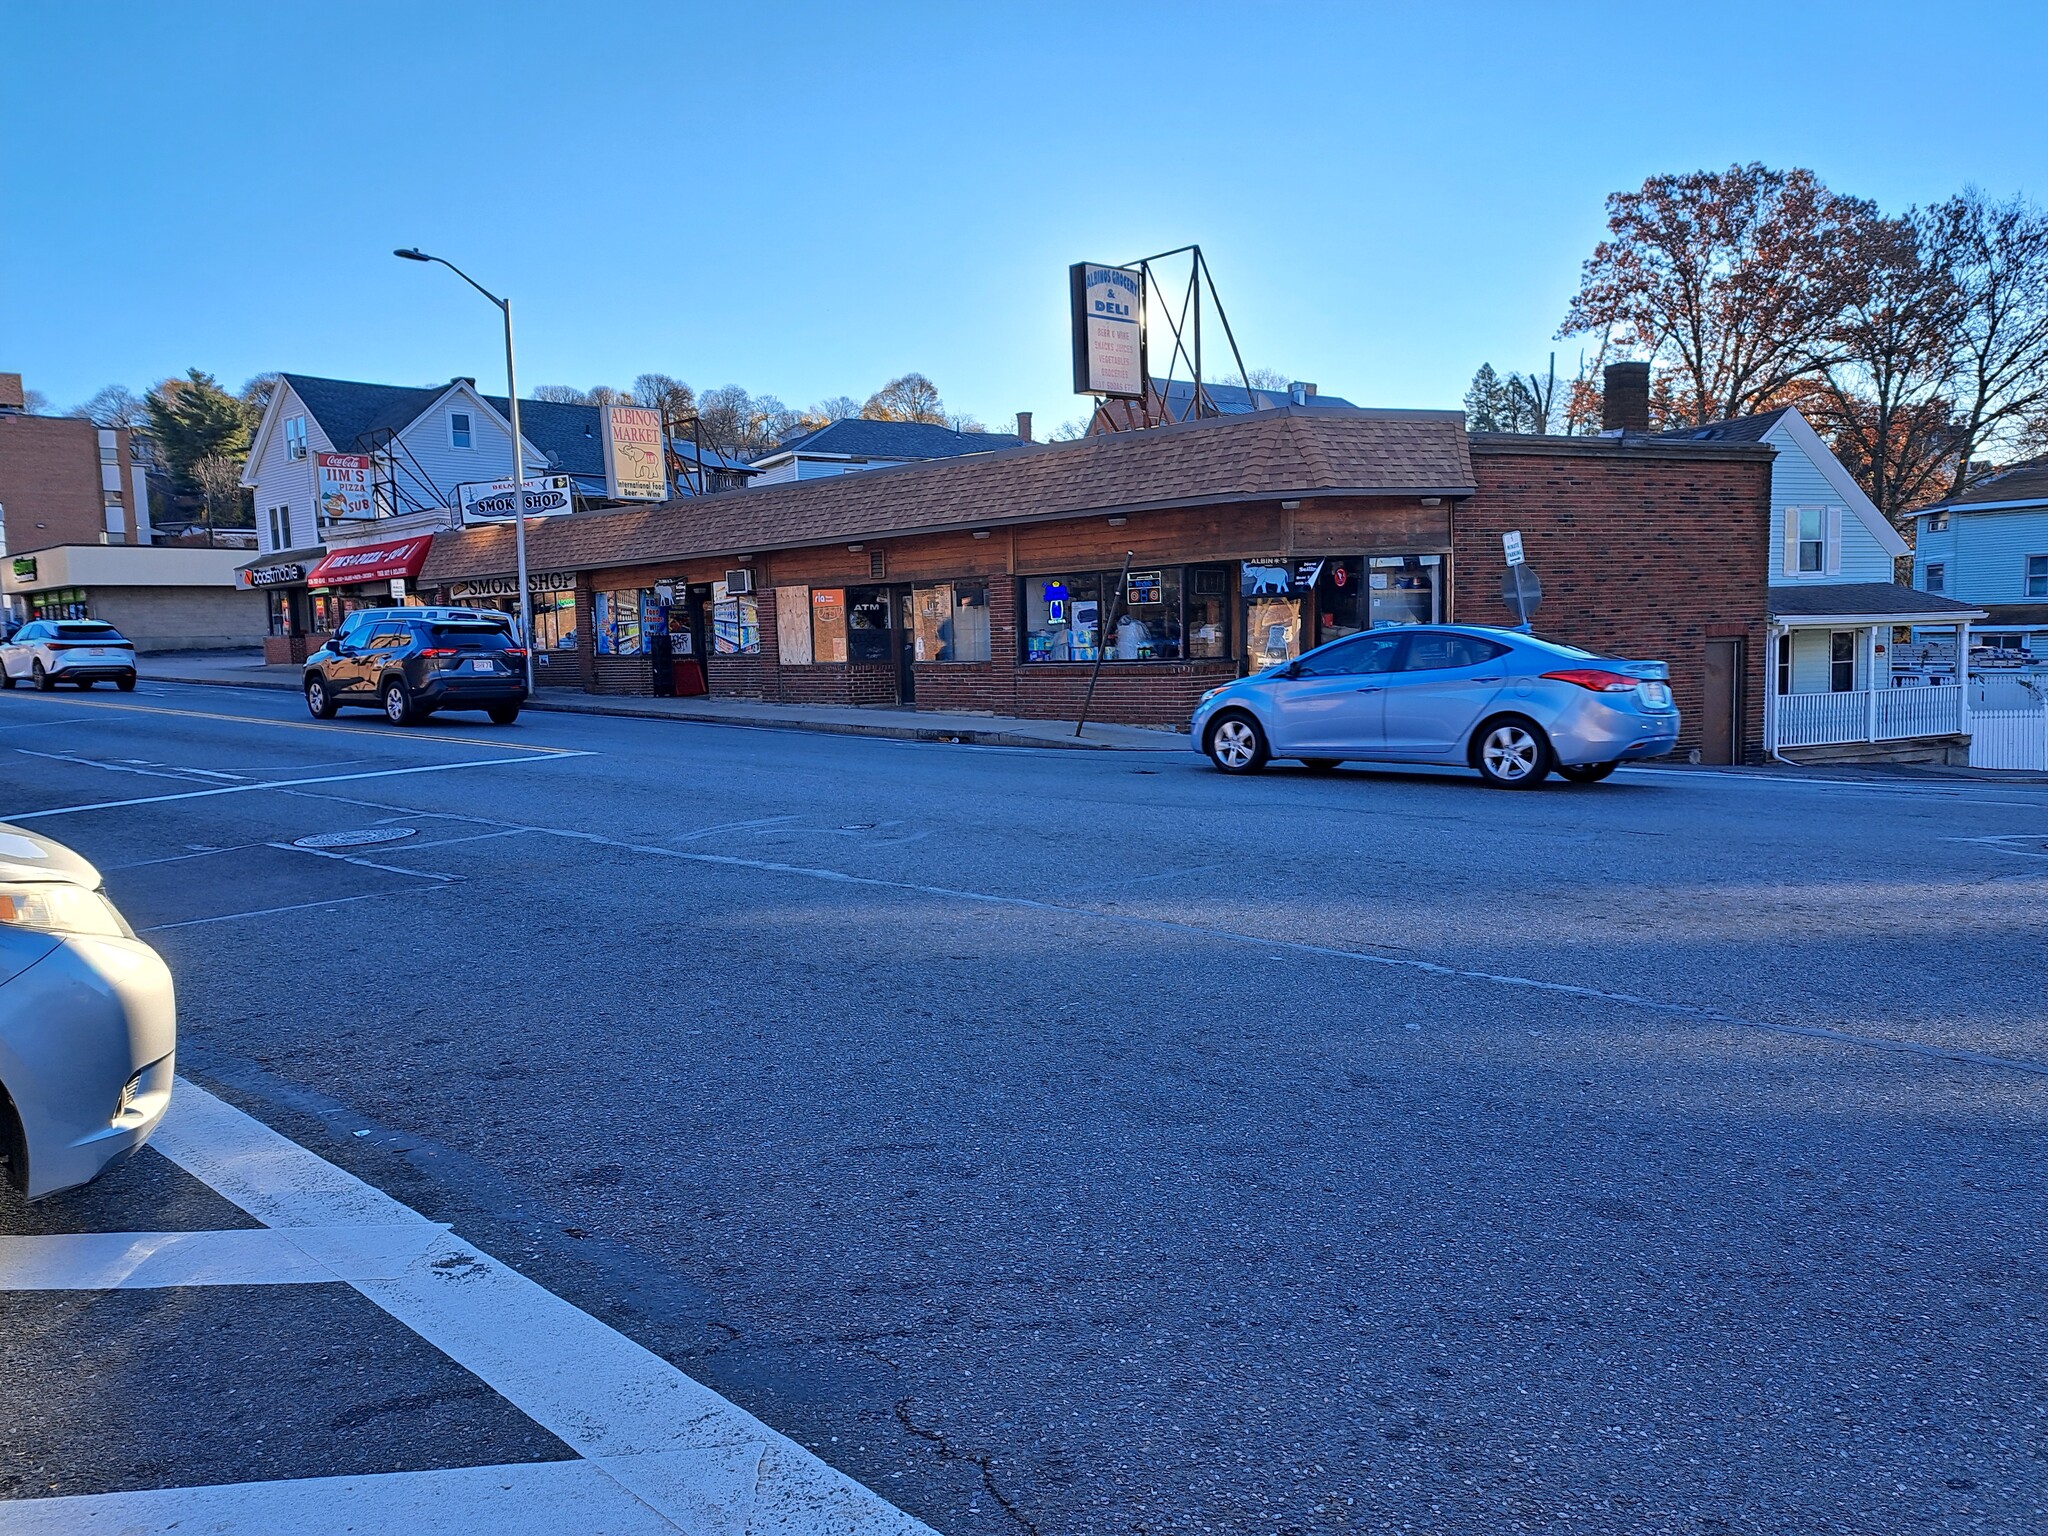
<point x="1486" y="402"/>
<point x="193" y="418"/>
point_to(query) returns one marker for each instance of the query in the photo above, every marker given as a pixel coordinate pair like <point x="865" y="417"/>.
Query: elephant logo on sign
<point x="1268" y="578"/>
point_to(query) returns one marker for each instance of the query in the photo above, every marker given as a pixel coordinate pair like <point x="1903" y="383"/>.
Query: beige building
<point x="162" y="597"/>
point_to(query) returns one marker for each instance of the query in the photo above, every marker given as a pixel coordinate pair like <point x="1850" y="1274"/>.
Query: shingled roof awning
<point x="1865" y="602"/>
<point x="1262" y="457"/>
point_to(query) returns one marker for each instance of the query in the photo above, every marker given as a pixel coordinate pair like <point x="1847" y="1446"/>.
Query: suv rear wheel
<point x="44" y="682"/>
<point x="503" y="714"/>
<point x="398" y="704"/>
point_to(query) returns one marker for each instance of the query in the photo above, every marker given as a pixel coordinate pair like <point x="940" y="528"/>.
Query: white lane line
<point x="126" y="1261"/>
<point x="649" y="1426"/>
<point x="232" y="917"/>
<point x="1299" y="946"/>
<point x="363" y="863"/>
<point x="177" y="858"/>
<point x="530" y="1499"/>
<point x="147" y="771"/>
<point x="330" y="778"/>
<point x="732" y="826"/>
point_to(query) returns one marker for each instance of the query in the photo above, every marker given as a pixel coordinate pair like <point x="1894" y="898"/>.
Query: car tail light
<point x="1597" y="679"/>
<point x="441" y="651"/>
<point x="517" y="652"/>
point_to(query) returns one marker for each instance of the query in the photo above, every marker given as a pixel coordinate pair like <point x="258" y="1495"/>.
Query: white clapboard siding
<point x="282" y="481"/>
<point x="1796" y="481"/>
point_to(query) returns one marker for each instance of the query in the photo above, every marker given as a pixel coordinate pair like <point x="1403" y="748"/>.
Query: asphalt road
<point x="1085" y="1142"/>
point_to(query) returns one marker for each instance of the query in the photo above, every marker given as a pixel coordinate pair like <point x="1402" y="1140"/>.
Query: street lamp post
<point x="413" y="253"/>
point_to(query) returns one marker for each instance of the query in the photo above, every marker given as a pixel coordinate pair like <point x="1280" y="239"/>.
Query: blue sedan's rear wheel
<point x="1587" y="773"/>
<point x="1237" y="744"/>
<point x="1512" y="753"/>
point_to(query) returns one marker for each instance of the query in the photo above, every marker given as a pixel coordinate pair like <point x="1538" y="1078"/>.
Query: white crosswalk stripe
<point x="657" y="1451"/>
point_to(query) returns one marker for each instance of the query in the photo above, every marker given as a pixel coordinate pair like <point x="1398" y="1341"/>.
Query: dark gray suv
<point x="410" y="663"/>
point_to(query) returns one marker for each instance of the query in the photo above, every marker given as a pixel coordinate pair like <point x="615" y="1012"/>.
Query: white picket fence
<point x="1867" y="714"/>
<point x="2008" y="723"/>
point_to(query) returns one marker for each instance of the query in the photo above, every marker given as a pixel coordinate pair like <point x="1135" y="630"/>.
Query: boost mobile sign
<point x="1109" y="331"/>
<point x="546" y="496"/>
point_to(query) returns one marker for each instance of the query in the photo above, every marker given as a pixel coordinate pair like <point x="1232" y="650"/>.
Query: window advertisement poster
<point x="1109" y="330"/>
<point x="828" y="624"/>
<point x="632" y="454"/>
<point x="1143" y="588"/>
<point x="485" y="501"/>
<point x="345" y="490"/>
<point x="793" y="626"/>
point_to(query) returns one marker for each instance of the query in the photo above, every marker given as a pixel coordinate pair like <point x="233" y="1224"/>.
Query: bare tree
<point x="219" y="479"/>
<point x="257" y="392"/>
<point x="561" y="394"/>
<point x="659" y="392"/>
<point x="35" y="403"/>
<point x="1998" y="259"/>
<point x="910" y="397"/>
<point x="115" y="406"/>
<point x="1887" y="395"/>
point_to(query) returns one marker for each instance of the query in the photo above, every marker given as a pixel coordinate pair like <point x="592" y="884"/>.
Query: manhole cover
<point x="362" y="839"/>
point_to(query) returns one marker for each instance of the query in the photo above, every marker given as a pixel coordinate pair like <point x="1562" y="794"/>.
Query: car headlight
<point x="1213" y="692"/>
<point x="54" y="907"/>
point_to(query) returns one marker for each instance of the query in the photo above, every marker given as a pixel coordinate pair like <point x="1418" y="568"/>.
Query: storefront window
<point x="554" y="621"/>
<point x="952" y="621"/>
<point x="736" y="627"/>
<point x="867" y="624"/>
<point x="1207" y="612"/>
<point x="1146" y="625"/>
<point x="1062" y="617"/>
<point x="280" y="605"/>
<point x="616" y="621"/>
<point x="1341" y="608"/>
<point x="60" y="603"/>
<point x="1403" y="589"/>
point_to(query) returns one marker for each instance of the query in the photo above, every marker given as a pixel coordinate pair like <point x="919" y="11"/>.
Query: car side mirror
<point x="1292" y="669"/>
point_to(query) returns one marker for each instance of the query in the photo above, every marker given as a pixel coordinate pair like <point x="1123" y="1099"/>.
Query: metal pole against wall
<point x="518" y="498"/>
<point x="1102" y="639"/>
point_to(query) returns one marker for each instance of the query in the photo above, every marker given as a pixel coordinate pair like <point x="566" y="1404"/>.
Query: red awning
<point x="371" y="562"/>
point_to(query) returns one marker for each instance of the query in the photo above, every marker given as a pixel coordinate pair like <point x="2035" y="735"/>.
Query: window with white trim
<point x="2037" y="575"/>
<point x="1938" y="523"/>
<point x="295" y="437"/>
<point x="458" y="429"/>
<point x="1807" y="547"/>
<point x="1935" y="578"/>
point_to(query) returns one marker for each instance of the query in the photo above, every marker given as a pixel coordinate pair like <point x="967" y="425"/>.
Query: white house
<point x="1835" y="613"/>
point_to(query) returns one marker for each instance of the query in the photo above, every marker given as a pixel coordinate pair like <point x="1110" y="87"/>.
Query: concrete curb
<point x="969" y="736"/>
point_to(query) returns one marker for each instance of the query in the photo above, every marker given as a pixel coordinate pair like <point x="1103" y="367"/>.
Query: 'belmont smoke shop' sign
<point x="508" y="586"/>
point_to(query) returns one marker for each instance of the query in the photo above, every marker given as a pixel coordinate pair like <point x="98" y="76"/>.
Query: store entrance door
<point x="902" y="605"/>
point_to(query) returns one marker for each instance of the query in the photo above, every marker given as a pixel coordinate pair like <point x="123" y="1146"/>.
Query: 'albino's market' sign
<point x="633" y="469"/>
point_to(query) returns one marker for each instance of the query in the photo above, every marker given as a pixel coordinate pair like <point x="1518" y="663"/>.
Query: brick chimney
<point x="12" y="397"/>
<point x="1024" y="425"/>
<point x="1625" y="401"/>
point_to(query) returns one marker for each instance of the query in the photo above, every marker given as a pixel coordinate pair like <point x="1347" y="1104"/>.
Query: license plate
<point x="1656" y="695"/>
<point x="483" y="666"/>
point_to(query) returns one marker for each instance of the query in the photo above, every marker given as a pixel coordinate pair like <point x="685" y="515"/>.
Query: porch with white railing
<point x="1867" y="714"/>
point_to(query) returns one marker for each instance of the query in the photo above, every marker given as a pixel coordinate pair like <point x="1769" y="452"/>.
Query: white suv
<point x="47" y="652"/>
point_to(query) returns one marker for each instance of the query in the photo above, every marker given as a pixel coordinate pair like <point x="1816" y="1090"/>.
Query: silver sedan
<point x="88" y="1021"/>
<point x="1508" y="704"/>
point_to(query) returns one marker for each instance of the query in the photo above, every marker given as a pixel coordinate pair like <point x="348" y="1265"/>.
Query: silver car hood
<point x="26" y="855"/>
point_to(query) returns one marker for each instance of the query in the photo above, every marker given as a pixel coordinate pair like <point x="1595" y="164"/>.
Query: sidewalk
<point x="245" y="669"/>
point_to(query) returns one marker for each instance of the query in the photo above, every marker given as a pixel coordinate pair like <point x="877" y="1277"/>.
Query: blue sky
<point x="808" y="199"/>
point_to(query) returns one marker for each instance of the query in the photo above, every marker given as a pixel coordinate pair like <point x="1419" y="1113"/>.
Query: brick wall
<point x="1643" y="552"/>
<point x="50" y="481"/>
